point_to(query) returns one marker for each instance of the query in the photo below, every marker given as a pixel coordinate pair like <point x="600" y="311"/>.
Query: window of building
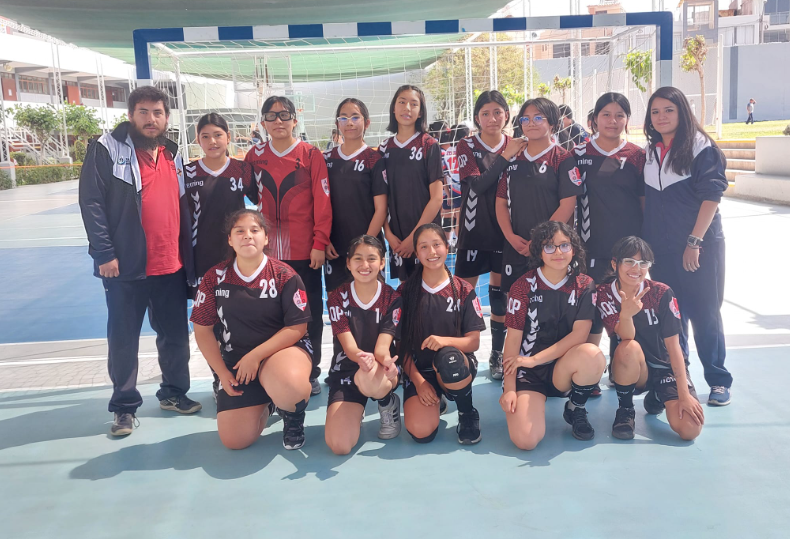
<point x="585" y="49"/>
<point x="33" y="85"/>
<point x="777" y="36"/>
<point x="89" y="91"/>
<point x="118" y="94"/>
<point x="562" y="50"/>
<point x="602" y="48"/>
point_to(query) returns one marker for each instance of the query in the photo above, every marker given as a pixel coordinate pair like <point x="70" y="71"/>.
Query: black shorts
<point x="539" y="379"/>
<point x="343" y="389"/>
<point x="514" y="266"/>
<point x="401" y="268"/>
<point x="475" y="262"/>
<point x="664" y="384"/>
<point x="253" y="394"/>
<point x="410" y="390"/>
<point x="336" y="272"/>
<point x="451" y="203"/>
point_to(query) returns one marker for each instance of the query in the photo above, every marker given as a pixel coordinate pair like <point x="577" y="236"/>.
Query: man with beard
<point x="134" y="209"/>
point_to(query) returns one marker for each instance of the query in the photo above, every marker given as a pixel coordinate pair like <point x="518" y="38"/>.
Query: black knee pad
<point x="497" y="300"/>
<point x="427" y="439"/>
<point x="449" y="363"/>
<point x="300" y="406"/>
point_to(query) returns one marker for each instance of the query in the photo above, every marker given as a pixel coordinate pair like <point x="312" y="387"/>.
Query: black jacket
<point x="111" y="201"/>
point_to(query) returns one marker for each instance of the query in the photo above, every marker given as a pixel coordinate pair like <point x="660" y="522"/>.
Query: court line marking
<point x="48" y="239"/>
<point x="82" y="386"/>
<point x="54" y="361"/>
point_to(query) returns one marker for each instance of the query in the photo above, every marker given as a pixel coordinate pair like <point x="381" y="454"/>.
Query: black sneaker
<point x="653" y="406"/>
<point x="495" y="365"/>
<point x="596" y="392"/>
<point x="293" y="429"/>
<point x="577" y="418"/>
<point x="315" y="387"/>
<point x="181" y="404"/>
<point x="468" y="428"/>
<point x="623" y="427"/>
<point x="123" y="424"/>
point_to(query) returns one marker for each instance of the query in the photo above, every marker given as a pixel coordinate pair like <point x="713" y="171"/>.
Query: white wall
<point x="758" y="72"/>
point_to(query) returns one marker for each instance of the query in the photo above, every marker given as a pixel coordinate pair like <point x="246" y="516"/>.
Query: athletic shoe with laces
<point x="315" y="387"/>
<point x="495" y="365"/>
<point x="293" y="429"/>
<point x="442" y="405"/>
<point x="123" y="424"/>
<point x="653" y="406"/>
<point x="623" y="427"/>
<point x="181" y="404"/>
<point x="719" y="396"/>
<point x="468" y="428"/>
<point x="577" y="418"/>
<point x="389" y="416"/>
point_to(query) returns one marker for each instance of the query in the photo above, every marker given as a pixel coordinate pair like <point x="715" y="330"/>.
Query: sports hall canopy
<point x="107" y="26"/>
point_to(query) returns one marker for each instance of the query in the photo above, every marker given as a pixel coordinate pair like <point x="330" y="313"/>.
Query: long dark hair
<point x="363" y="110"/>
<point x="235" y="217"/>
<point x="607" y="98"/>
<point x="412" y="296"/>
<point x="212" y="118"/>
<point x="547" y="108"/>
<point x="370" y="241"/>
<point x="422" y="120"/>
<point x="680" y="158"/>
<point x="543" y="234"/>
<point x="490" y="96"/>
<point x="628" y="247"/>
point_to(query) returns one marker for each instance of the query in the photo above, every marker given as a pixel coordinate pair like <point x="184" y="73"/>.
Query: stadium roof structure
<point x="107" y="27"/>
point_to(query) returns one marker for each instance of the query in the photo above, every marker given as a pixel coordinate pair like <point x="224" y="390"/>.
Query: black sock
<point x="498" y="333"/>
<point x="625" y="394"/>
<point x="386" y="400"/>
<point x="462" y="398"/>
<point x="580" y="394"/>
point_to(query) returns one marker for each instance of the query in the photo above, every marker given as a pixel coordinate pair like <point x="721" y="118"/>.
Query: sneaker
<point x="623" y="427"/>
<point x="315" y="387"/>
<point x="123" y="424"/>
<point x="389" y="416"/>
<point x="442" y="405"/>
<point x="468" y="428"/>
<point x="596" y="392"/>
<point x="719" y="396"/>
<point x="181" y="404"/>
<point x="495" y="365"/>
<point x="653" y="406"/>
<point x="293" y="429"/>
<point x="577" y="418"/>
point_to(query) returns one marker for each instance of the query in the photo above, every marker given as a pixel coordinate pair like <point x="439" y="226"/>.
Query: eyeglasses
<point x="352" y="119"/>
<point x="643" y="264"/>
<point x="550" y="248"/>
<point x="537" y="120"/>
<point x="283" y="115"/>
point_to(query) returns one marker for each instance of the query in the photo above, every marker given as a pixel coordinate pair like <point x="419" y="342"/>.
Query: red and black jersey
<point x="293" y="192"/>
<point x="659" y="319"/>
<point x="546" y="312"/>
<point x="534" y="186"/>
<point x="365" y="321"/>
<point x="212" y="196"/>
<point x="409" y="170"/>
<point x="353" y="182"/>
<point x="438" y="310"/>
<point x="251" y="309"/>
<point x="480" y="170"/>
<point x="609" y="208"/>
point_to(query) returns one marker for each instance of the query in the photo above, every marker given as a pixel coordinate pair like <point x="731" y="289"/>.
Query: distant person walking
<point x="750" y="110"/>
<point x="135" y="212"/>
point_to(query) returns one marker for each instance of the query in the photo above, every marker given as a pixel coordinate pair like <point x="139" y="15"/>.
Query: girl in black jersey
<point x="643" y="319"/>
<point x="550" y="312"/>
<point x="482" y="159"/>
<point x="540" y="184"/>
<point x="357" y="189"/>
<point x="442" y="320"/>
<point x="263" y="356"/>
<point x="365" y="314"/>
<point x="412" y="163"/>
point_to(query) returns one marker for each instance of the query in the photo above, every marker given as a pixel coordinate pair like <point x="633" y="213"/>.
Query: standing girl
<point x="293" y="192"/>
<point x="684" y="178"/>
<point x="357" y="189"/>
<point x="364" y="314"/>
<point x="263" y="356"/>
<point x="482" y="159"/>
<point x="550" y="313"/>
<point x="412" y="163"/>
<point x="541" y="184"/>
<point x="442" y="321"/>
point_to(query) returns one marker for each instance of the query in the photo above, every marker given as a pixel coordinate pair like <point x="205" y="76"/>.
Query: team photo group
<point x="578" y="234"/>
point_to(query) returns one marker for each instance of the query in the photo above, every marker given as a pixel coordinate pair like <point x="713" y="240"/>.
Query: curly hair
<point x="543" y="234"/>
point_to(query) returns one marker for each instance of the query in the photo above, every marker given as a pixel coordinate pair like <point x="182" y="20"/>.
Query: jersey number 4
<point x="416" y="154"/>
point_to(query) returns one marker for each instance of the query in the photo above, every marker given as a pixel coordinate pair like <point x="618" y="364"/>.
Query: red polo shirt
<point x="161" y="212"/>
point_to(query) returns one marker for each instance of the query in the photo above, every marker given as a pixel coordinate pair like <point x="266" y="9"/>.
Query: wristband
<point x="694" y="242"/>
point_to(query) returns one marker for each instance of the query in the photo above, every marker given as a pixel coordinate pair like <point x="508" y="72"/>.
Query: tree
<point x="640" y="65"/>
<point x="562" y="85"/>
<point x="544" y="89"/>
<point x="695" y="52"/>
<point x="83" y="123"/>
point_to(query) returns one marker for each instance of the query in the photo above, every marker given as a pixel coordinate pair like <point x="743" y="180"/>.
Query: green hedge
<point x="5" y="181"/>
<point x="38" y="175"/>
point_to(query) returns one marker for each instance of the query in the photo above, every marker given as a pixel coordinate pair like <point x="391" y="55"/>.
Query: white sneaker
<point x="390" y="419"/>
